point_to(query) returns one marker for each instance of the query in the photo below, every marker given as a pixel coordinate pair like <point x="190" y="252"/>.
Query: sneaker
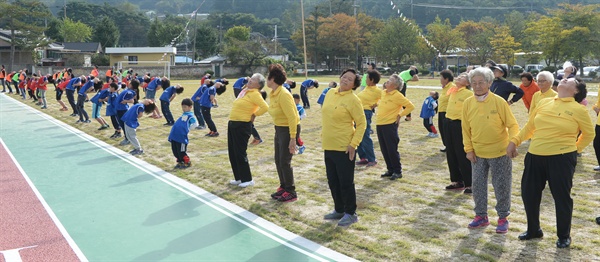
<point x="429" y="134"/>
<point x="255" y="141"/>
<point x="87" y="121"/>
<point x="287" y="197"/>
<point x="214" y="134"/>
<point x="168" y="124"/>
<point x="102" y="128"/>
<point x="468" y="190"/>
<point x="443" y="150"/>
<point x="124" y="142"/>
<point x="278" y="193"/>
<point x="138" y="152"/>
<point x="209" y="133"/>
<point x="479" y="221"/>
<point x="301" y="150"/>
<point x="396" y="176"/>
<point x="43" y="107"/>
<point x="374" y="163"/>
<point x="408" y="118"/>
<point x="362" y="162"/>
<point x="502" y="227"/>
<point x="186" y="165"/>
<point x="64" y="109"/>
<point x="78" y="121"/>
<point x="455" y="186"/>
<point x="178" y="166"/>
<point x="597" y="168"/>
<point x="118" y="135"/>
<point x="433" y="135"/>
<point x="334" y="215"/>
<point x="247" y="184"/>
<point x="387" y="174"/>
<point x="348" y="220"/>
<point x="201" y="127"/>
<point x="235" y="182"/>
<point x="114" y="134"/>
<point x="73" y="115"/>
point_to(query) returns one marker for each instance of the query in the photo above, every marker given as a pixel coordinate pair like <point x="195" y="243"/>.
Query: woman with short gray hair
<point x="487" y="125"/>
<point x="544" y="80"/>
<point x="245" y="108"/>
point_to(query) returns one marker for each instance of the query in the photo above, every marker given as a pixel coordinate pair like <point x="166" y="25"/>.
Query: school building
<point x="122" y="57"/>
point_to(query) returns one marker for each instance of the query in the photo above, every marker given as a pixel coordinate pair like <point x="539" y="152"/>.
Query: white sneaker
<point x="247" y="184"/>
<point x="235" y="182"/>
<point x="433" y="135"/>
<point x="597" y="168"/>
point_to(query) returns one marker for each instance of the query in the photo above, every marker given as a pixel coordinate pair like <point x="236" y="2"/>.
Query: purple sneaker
<point x="502" y="227"/>
<point x="479" y="221"/>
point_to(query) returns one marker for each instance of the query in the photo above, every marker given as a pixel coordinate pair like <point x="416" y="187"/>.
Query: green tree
<point x="442" y="36"/>
<point x="337" y="37"/>
<point x="395" y="41"/>
<point x="239" y="33"/>
<point x="24" y="20"/>
<point x="476" y="36"/>
<point x="75" y="31"/>
<point x="206" y="40"/>
<point x="165" y="32"/>
<point x="504" y="46"/>
<point x="106" y="33"/>
<point x="243" y="50"/>
<point x="546" y="34"/>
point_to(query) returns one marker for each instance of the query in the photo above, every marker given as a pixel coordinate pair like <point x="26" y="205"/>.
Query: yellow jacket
<point x="537" y="96"/>
<point x="250" y="104"/>
<point x="369" y="97"/>
<point x="283" y="110"/>
<point x="390" y="107"/>
<point x="443" y="99"/>
<point x="487" y="126"/>
<point x="554" y="127"/>
<point x="455" y="103"/>
<point x="340" y="113"/>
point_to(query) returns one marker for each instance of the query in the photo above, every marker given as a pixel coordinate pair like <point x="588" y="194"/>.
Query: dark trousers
<point x="340" y="176"/>
<point x="71" y="98"/>
<point x="403" y="92"/>
<point x="164" y="107"/>
<point x="209" y="122"/>
<point x="558" y="170"/>
<point x="236" y="92"/>
<point x="16" y="85"/>
<point x="3" y="85"/>
<point x="198" y="113"/>
<point x="458" y="164"/>
<point x="283" y="158"/>
<point x="115" y="122"/>
<point x="304" y="96"/>
<point x="238" y="134"/>
<point x="597" y="144"/>
<point x="32" y="94"/>
<point x="428" y="124"/>
<point x="441" y="123"/>
<point x="120" y="114"/>
<point x="388" y="143"/>
<point x="179" y="151"/>
<point x="7" y="83"/>
<point x="255" y="133"/>
<point x="81" y="108"/>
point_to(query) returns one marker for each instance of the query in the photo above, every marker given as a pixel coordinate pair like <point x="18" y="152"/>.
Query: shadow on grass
<point x="529" y="252"/>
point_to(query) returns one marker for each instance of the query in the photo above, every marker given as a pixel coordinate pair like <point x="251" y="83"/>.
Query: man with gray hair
<point x="487" y="125"/>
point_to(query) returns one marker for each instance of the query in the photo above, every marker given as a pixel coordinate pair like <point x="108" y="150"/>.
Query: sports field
<point x="409" y="219"/>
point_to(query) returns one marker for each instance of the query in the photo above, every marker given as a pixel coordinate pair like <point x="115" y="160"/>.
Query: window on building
<point x="133" y="59"/>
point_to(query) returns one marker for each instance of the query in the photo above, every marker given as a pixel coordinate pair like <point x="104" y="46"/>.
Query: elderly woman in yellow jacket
<point x="286" y="119"/>
<point x="553" y="128"/>
<point x="343" y="126"/>
<point x="487" y="125"/>
<point x="245" y="108"/>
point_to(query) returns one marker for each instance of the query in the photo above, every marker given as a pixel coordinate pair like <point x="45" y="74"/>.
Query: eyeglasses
<point x="543" y="81"/>
<point x="480" y="83"/>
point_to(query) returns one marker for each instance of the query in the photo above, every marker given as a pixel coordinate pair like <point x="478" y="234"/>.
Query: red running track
<point x="26" y="229"/>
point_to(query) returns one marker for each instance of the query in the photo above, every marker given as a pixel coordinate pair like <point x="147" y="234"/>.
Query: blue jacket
<point x="100" y="95"/>
<point x="153" y="84"/>
<point x="131" y="116"/>
<point x="429" y="106"/>
<point x="196" y="97"/>
<point x="126" y="94"/>
<point x="307" y="83"/>
<point x="181" y="128"/>
<point x="241" y="82"/>
<point x="504" y="88"/>
<point x="205" y="98"/>
<point x="322" y="96"/>
<point x="111" y="109"/>
<point x="166" y="95"/>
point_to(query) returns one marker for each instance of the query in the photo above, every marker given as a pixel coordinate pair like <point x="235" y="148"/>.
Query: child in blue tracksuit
<point x="197" y="110"/>
<point x="332" y="84"/>
<point x="165" y="101"/>
<point x="302" y="113"/>
<point x="179" y="134"/>
<point x="428" y="111"/>
<point x="97" y="101"/>
<point x="111" y="108"/>
<point x="131" y="121"/>
<point x="307" y="84"/>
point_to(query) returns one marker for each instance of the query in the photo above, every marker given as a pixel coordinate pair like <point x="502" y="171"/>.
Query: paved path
<point x="113" y="206"/>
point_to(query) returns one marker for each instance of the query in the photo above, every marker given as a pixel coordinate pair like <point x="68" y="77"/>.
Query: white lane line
<point x="251" y="220"/>
<point x="53" y="216"/>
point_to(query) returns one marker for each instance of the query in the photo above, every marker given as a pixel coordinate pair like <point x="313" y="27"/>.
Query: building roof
<point x="181" y="59"/>
<point x="84" y="47"/>
<point x="213" y="59"/>
<point x="141" y="50"/>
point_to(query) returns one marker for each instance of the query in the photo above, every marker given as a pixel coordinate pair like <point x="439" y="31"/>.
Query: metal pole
<point x="275" y="39"/>
<point x="304" y="40"/>
<point x="195" y="33"/>
<point x="356" y="17"/>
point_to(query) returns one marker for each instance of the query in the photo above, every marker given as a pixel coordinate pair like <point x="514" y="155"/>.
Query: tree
<point x="166" y="32"/>
<point x="443" y="36"/>
<point x="75" y="31"/>
<point x="206" y="40"/>
<point x="395" y="41"/>
<point x="239" y="33"/>
<point x="476" y="37"/>
<point x="106" y="33"/>
<point x="368" y="27"/>
<point x="546" y="34"/>
<point x="337" y="37"/>
<point x="24" y="19"/>
<point x="242" y="49"/>
<point x="504" y="46"/>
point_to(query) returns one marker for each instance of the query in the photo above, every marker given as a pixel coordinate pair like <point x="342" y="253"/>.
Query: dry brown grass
<point x="413" y="218"/>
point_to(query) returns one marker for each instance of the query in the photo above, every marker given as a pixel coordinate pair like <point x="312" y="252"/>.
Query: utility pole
<point x="356" y="17"/>
<point x="195" y="33"/>
<point x="304" y="39"/>
<point x="411" y="9"/>
<point x="275" y="39"/>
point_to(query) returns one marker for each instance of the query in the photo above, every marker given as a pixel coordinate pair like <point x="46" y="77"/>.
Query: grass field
<point x="413" y="218"/>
